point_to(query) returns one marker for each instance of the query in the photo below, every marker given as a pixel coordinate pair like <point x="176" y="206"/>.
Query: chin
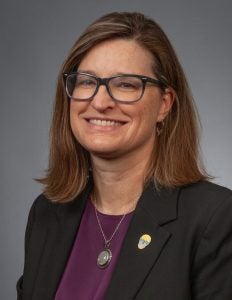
<point x="109" y="153"/>
<point x="104" y="152"/>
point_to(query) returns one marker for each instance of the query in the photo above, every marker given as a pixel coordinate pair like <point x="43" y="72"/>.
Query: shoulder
<point x="210" y="222"/>
<point x="201" y="207"/>
<point x="206" y="188"/>
<point x="41" y="206"/>
<point x="44" y="208"/>
<point x="204" y="196"/>
<point x="206" y="209"/>
<point x="40" y="212"/>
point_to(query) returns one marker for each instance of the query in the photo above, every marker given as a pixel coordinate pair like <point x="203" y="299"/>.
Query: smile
<point x="105" y="122"/>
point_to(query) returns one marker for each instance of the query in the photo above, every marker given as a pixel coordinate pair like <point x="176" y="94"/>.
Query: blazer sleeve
<point x="212" y="266"/>
<point x="31" y="217"/>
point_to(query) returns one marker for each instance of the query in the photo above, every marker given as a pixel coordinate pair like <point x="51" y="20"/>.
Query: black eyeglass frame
<point x="105" y="81"/>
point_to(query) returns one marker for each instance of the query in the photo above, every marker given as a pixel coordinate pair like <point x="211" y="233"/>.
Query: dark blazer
<point x="189" y="257"/>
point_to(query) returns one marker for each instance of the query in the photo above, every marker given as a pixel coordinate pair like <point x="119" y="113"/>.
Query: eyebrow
<point x="87" y="72"/>
<point x="114" y="74"/>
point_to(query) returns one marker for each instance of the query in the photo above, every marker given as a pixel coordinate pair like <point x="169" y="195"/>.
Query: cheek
<point x="144" y="122"/>
<point x="75" y="111"/>
<point x="149" y="114"/>
<point x="76" y="108"/>
<point x="152" y="106"/>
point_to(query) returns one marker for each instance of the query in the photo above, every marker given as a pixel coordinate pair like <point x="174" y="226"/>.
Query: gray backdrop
<point x="35" y="38"/>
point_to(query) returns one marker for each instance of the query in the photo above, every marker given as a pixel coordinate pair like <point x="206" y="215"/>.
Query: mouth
<point x="102" y="122"/>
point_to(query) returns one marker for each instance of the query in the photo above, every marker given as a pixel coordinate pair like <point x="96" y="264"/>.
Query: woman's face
<point x="132" y="127"/>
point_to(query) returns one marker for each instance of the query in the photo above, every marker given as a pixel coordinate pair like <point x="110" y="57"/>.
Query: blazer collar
<point x="155" y="208"/>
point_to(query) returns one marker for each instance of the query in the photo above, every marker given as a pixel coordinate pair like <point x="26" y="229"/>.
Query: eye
<point x="85" y="82"/>
<point x="126" y="83"/>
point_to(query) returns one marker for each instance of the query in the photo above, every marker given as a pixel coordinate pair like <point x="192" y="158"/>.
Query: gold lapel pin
<point x="144" y="241"/>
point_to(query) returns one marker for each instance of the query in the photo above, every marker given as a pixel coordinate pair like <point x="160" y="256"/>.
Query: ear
<point x="168" y="98"/>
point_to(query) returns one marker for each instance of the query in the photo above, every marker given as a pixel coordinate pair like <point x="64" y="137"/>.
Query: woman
<point x="127" y="211"/>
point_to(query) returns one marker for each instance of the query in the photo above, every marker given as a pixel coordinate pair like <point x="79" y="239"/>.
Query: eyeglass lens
<point x="121" y="88"/>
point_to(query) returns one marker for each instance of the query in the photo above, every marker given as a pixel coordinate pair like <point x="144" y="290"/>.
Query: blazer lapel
<point x="153" y="210"/>
<point x="60" y="238"/>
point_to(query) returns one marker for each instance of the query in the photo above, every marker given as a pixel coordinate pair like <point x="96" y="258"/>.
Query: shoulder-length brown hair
<point x="176" y="158"/>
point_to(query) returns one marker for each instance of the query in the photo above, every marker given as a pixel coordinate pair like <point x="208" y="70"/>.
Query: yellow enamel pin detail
<point x="144" y="241"/>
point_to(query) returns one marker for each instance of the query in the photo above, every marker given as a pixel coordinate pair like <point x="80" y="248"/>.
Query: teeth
<point x="104" y="122"/>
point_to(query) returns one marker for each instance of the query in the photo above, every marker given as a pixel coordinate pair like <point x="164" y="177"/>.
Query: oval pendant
<point x="104" y="258"/>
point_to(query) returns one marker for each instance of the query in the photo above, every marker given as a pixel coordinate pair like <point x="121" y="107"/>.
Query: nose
<point x="102" y="100"/>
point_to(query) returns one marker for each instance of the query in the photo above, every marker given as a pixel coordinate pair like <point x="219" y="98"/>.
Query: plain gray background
<point x="35" y="39"/>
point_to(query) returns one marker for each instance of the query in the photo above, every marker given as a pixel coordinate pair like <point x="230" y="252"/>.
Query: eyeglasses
<point x="122" y="88"/>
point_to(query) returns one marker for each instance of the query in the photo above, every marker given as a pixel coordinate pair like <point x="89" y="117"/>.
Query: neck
<point x="118" y="183"/>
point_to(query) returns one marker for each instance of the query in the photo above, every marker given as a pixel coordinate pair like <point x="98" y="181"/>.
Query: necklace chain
<point x="107" y="241"/>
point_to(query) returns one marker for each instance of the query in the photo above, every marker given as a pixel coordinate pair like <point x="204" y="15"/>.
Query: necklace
<point x="105" y="255"/>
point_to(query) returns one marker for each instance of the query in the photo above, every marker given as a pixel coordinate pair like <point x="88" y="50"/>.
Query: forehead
<point x="118" y="56"/>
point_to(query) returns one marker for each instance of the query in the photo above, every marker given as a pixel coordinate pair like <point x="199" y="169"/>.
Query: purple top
<point x="82" y="278"/>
